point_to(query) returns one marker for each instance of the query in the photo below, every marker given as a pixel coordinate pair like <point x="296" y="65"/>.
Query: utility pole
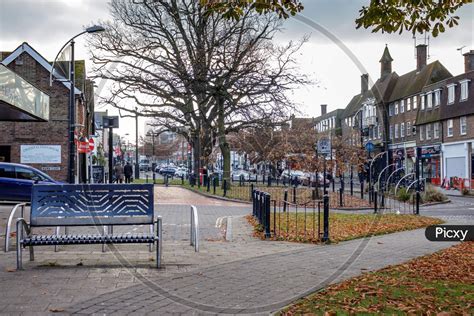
<point x="137" y="166"/>
<point x="72" y="119"/>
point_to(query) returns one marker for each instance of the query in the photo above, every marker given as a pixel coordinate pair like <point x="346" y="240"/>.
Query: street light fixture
<point x="72" y="97"/>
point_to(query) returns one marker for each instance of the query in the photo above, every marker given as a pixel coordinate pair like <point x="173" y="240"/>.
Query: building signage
<point x="429" y="151"/>
<point x="98" y="174"/>
<point x="41" y="154"/>
<point x="55" y="168"/>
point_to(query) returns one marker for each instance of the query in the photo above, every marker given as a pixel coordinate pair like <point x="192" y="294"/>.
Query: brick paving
<point x="244" y="276"/>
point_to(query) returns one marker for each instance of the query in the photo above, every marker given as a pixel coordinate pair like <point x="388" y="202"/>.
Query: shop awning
<point x="20" y="100"/>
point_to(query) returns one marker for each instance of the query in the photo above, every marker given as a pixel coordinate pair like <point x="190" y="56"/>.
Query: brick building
<point x="24" y="140"/>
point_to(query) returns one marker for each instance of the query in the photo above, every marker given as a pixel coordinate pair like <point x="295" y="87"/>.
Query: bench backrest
<point x="91" y="204"/>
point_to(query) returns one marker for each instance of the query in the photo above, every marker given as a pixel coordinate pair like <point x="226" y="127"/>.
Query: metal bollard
<point x="214" y="183"/>
<point x="285" y="200"/>
<point x="294" y="195"/>
<point x="146" y="178"/>
<point x="225" y="187"/>
<point x="341" y="192"/>
<point x="352" y="187"/>
<point x="333" y="185"/>
<point x="375" y="202"/>
<point x="362" y="190"/>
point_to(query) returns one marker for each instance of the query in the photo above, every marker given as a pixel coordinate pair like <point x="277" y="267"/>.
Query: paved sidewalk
<point x="261" y="284"/>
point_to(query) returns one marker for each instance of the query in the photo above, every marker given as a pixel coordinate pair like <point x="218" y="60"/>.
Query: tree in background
<point x="416" y="16"/>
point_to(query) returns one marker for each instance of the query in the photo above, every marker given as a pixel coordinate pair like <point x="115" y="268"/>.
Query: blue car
<point x="16" y="181"/>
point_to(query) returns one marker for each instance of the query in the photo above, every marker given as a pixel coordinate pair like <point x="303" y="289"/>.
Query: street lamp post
<point x="137" y="166"/>
<point x="72" y="99"/>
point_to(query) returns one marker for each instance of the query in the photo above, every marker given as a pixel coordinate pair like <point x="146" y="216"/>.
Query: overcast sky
<point x="48" y="24"/>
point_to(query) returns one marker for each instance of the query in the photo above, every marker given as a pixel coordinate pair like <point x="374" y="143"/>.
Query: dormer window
<point x="464" y="90"/>
<point x="429" y="100"/>
<point x="451" y="93"/>
<point x="437" y="97"/>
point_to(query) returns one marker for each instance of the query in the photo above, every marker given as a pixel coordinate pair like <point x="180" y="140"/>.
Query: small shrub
<point x="433" y="195"/>
<point x="465" y="191"/>
<point x="403" y="195"/>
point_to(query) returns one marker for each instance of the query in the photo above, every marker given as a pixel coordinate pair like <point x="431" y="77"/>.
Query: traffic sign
<point x="369" y="146"/>
<point x="324" y="146"/>
<point x="91" y="144"/>
<point x="83" y="145"/>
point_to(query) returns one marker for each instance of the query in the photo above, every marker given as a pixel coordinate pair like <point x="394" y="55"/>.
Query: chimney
<point x="324" y="109"/>
<point x="364" y="83"/>
<point x="421" y="56"/>
<point x="469" y="61"/>
<point x="385" y="63"/>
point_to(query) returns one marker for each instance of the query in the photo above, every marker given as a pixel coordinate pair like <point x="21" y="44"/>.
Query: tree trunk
<point x="223" y="144"/>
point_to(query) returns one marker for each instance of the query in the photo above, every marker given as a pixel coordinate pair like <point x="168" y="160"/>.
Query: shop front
<point x="457" y="160"/>
<point x="431" y="164"/>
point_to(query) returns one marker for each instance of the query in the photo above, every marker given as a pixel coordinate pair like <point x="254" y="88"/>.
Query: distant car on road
<point x="181" y="172"/>
<point x="16" y="181"/>
<point x="167" y="170"/>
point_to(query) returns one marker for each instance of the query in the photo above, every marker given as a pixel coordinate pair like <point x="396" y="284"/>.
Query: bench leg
<point x="58" y="230"/>
<point x="159" y="233"/>
<point x="19" y="237"/>
<point x="32" y="254"/>
<point x="150" y="246"/>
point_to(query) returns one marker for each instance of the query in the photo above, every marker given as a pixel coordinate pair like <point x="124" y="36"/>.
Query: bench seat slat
<point x="42" y="240"/>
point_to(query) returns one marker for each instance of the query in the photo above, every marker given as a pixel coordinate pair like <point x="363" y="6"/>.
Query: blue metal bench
<point x="89" y="205"/>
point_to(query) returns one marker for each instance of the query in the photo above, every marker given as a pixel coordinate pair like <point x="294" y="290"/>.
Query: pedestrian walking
<point x="119" y="173"/>
<point x="128" y="171"/>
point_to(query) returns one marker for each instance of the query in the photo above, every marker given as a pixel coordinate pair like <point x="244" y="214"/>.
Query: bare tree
<point x="196" y="73"/>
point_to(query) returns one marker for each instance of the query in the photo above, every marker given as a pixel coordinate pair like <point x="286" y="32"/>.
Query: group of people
<point x="123" y="172"/>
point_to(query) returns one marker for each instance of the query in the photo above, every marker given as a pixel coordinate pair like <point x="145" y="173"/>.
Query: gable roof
<point x="413" y="82"/>
<point x="26" y="48"/>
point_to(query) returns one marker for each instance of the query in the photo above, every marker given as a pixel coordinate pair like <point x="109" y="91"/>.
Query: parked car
<point x="16" y="181"/>
<point x="181" y="172"/>
<point x="236" y="174"/>
<point x="288" y="175"/>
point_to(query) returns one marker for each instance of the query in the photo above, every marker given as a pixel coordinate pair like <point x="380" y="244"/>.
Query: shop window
<point x="450" y="128"/>
<point x="463" y="125"/>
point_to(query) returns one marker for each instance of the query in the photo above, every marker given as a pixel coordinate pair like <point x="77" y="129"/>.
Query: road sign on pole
<point x="324" y="146"/>
<point x="369" y="146"/>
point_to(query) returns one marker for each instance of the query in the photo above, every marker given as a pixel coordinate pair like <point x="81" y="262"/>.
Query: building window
<point x="390" y="110"/>
<point x="413" y="127"/>
<point x="408" y="104"/>
<point x="396" y="130"/>
<point x="450" y="128"/>
<point x="396" y="108"/>
<point x="437" y="97"/>
<point x="428" y="131"/>
<point x="408" y="128"/>
<point x="422" y="101"/>
<point x="462" y="125"/>
<point x="402" y="130"/>
<point x="402" y="106"/>
<point x="421" y="133"/>
<point x="429" y="100"/>
<point x="415" y="98"/>
<point x="436" y="130"/>
<point x="451" y="93"/>
<point x="391" y="132"/>
<point x="464" y="90"/>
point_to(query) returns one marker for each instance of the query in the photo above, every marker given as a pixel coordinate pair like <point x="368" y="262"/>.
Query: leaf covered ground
<point x="437" y="284"/>
<point x="301" y="227"/>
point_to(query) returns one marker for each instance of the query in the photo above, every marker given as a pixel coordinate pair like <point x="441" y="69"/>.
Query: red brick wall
<point x="53" y="132"/>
